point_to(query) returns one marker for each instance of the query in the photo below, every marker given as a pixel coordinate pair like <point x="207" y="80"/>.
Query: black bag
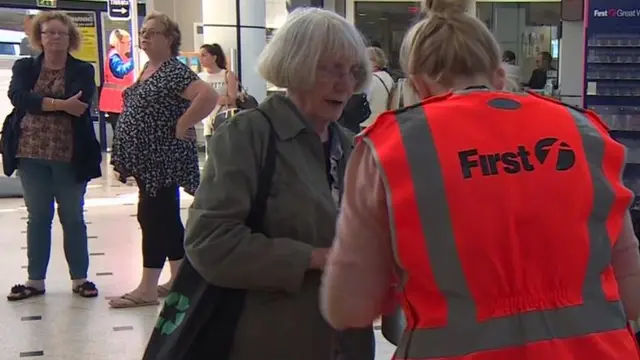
<point x="245" y="101"/>
<point x="355" y="112"/>
<point x="222" y="117"/>
<point x="198" y="319"/>
<point x="9" y="142"/>
<point x="393" y="326"/>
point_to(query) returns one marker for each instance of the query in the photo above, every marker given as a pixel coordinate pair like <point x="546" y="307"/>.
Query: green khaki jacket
<point x="281" y="319"/>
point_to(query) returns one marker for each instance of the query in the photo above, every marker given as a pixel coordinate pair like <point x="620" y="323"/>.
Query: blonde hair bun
<point x="445" y="7"/>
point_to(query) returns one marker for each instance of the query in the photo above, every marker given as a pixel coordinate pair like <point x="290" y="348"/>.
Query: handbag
<point x="198" y="319"/>
<point x="9" y="137"/>
<point x="393" y="326"/>
<point x="244" y="100"/>
<point x="222" y="117"/>
<point x="355" y="112"/>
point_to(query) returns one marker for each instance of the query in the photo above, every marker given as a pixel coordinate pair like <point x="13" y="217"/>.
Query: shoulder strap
<point x="395" y="96"/>
<point x="226" y="82"/>
<point x="383" y="84"/>
<point x="255" y="219"/>
<point x="401" y="89"/>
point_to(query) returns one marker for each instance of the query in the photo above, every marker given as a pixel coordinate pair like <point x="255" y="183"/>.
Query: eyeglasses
<point x="150" y="33"/>
<point x="51" y="33"/>
<point x="337" y="73"/>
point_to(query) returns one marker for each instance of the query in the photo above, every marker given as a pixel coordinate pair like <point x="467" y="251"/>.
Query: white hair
<point x="292" y="56"/>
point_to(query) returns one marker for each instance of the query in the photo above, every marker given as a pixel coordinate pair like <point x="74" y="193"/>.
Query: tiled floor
<point x="63" y="327"/>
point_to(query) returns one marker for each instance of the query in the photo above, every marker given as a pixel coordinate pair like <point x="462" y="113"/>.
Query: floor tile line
<point x="123" y="328"/>
<point x="31" y="318"/>
<point x="31" y="353"/>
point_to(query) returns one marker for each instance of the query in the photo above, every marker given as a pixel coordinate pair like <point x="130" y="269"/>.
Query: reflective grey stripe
<point x="511" y="331"/>
<point x="463" y="334"/>
<point x="392" y="225"/>
<point x="603" y="199"/>
<point x="114" y="86"/>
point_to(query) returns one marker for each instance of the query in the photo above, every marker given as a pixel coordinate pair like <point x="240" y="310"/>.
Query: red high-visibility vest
<point x="111" y="94"/>
<point x="504" y="209"/>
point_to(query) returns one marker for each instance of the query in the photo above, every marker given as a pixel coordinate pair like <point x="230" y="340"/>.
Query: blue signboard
<point x="612" y="79"/>
<point x="119" y="9"/>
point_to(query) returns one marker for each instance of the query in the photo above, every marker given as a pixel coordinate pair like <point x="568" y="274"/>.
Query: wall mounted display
<point x="612" y="75"/>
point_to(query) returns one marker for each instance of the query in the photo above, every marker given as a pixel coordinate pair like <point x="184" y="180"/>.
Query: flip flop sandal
<point x="127" y="301"/>
<point x="22" y="292"/>
<point x="86" y="290"/>
<point x="163" y="292"/>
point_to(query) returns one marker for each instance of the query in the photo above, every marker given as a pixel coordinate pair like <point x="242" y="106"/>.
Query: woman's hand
<point x="73" y="105"/>
<point x="184" y="131"/>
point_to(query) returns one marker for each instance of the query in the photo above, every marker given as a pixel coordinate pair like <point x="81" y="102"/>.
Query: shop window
<point x="385" y="24"/>
<point x="526" y="28"/>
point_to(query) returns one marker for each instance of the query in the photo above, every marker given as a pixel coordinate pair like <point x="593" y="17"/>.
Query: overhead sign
<point x="46" y="3"/>
<point x="119" y="9"/>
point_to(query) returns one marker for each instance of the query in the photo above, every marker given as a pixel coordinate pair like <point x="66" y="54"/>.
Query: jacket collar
<point x="37" y="61"/>
<point x="290" y="121"/>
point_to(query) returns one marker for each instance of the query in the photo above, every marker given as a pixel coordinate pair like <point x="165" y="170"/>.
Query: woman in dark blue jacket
<point x="50" y="140"/>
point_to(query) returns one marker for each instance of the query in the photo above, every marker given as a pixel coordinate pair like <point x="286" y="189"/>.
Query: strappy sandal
<point x="86" y="290"/>
<point x="22" y="292"/>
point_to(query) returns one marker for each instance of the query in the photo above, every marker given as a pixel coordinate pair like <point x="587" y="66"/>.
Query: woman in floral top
<point x="57" y="150"/>
<point x="155" y="144"/>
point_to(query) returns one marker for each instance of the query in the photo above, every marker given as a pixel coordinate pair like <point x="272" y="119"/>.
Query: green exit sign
<point x="46" y="3"/>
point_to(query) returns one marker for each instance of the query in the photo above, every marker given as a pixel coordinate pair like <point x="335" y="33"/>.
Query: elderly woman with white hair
<point x="321" y="59"/>
<point x="379" y="93"/>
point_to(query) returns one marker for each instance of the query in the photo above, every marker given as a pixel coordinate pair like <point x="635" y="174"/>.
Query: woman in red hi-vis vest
<point x="118" y="75"/>
<point x="497" y="220"/>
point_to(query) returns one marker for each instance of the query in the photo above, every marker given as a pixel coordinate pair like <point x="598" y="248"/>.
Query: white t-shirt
<point x="512" y="73"/>
<point x="219" y="83"/>
<point x="378" y="95"/>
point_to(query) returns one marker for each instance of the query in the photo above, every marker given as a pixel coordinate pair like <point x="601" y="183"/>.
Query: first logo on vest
<point x="521" y="159"/>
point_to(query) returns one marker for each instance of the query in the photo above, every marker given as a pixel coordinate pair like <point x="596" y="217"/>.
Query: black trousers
<point x="113" y="120"/>
<point x="162" y="229"/>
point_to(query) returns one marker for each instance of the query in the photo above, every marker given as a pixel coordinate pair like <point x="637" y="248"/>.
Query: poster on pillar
<point x="118" y="63"/>
<point x="612" y="75"/>
<point x="88" y="51"/>
<point x="88" y="28"/>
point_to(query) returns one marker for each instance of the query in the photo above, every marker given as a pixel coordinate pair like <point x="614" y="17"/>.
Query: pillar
<point x="239" y="27"/>
<point x="571" y="59"/>
<point x="471" y="8"/>
<point x="184" y="12"/>
<point x="293" y="4"/>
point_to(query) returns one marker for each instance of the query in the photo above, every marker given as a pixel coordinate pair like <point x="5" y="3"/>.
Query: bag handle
<point x="255" y="219"/>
